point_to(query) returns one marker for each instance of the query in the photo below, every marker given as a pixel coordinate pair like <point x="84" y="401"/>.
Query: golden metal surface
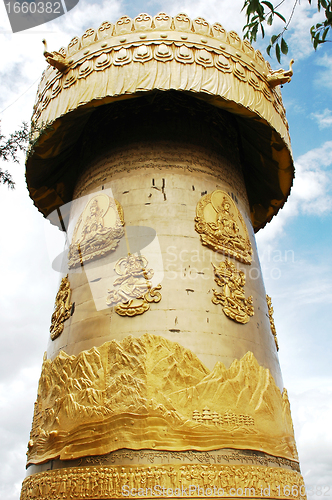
<point x="280" y="76"/>
<point x="56" y="59"/>
<point x="114" y="63"/>
<point x="164" y="481"/>
<point x="142" y="392"/>
<point x="62" y="308"/>
<point x="273" y="327"/>
<point x="136" y="292"/>
<point x="222" y="227"/>
<point x="232" y="297"/>
<point x="98" y="230"/>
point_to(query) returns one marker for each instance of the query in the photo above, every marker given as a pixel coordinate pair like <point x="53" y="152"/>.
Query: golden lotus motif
<point x="222" y="227"/>
<point x="135" y="292"/>
<point x="232" y="297"/>
<point x="62" y="308"/>
<point x="98" y="230"/>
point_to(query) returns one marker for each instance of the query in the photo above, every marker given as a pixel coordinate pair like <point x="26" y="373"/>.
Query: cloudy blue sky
<point x="295" y="248"/>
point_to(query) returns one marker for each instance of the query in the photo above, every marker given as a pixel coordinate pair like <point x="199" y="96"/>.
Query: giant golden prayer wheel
<point x="161" y="146"/>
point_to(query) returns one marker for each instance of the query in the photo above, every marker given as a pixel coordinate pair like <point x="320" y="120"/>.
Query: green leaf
<point x="322" y="3"/>
<point x="278" y="52"/>
<point x="284" y="47"/>
<point x="281" y="17"/>
<point x="262" y="30"/>
<point x="270" y="19"/>
<point x="325" y="33"/>
<point x="269" y="5"/>
<point x="268" y="49"/>
<point x="273" y="39"/>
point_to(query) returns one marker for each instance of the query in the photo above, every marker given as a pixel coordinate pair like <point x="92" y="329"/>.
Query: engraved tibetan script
<point x="222" y="227"/>
<point x="98" y="230"/>
<point x="232" y="297"/>
<point x="135" y="292"/>
<point x="62" y="308"/>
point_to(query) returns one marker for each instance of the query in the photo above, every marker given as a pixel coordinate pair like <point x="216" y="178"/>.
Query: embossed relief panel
<point x="97" y="231"/>
<point x="221" y="226"/>
<point x="273" y="327"/>
<point x="62" y="308"/>
<point x="165" y="481"/>
<point x="232" y="297"/>
<point x="149" y="392"/>
<point x="134" y="292"/>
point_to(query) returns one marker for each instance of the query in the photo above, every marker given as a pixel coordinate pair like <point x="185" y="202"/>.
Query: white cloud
<point x="324" y="119"/>
<point x="310" y="194"/>
<point x="324" y="77"/>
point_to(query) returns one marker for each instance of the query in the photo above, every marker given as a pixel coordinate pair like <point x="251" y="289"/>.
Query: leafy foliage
<point x="9" y="148"/>
<point x="262" y="13"/>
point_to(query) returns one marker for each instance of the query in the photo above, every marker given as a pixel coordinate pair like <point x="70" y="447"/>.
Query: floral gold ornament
<point x="128" y="395"/>
<point x="135" y="292"/>
<point x="222" y="227"/>
<point x="62" y="308"/>
<point x="164" y="481"/>
<point x="232" y="297"/>
<point x="97" y="231"/>
<point x="273" y="326"/>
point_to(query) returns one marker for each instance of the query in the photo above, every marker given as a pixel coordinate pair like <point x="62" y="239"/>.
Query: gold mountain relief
<point x="222" y="227"/>
<point x="142" y="393"/>
<point x="97" y="231"/>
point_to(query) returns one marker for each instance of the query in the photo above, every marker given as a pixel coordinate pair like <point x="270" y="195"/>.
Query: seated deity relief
<point x="222" y="227"/>
<point x="135" y="292"/>
<point x="97" y="231"/>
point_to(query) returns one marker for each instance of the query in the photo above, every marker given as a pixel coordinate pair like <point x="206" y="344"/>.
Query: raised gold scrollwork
<point x="222" y="227"/>
<point x="135" y="292"/>
<point x="232" y="297"/>
<point x="98" y="230"/>
<point x="273" y="326"/>
<point x="62" y="308"/>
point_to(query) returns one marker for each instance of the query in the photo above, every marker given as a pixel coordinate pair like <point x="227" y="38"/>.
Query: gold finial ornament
<point x="273" y="326"/>
<point x="62" y="308"/>
<point x="222" y="227"/>
<point x="280" y="76"/>
<point x="56" y="59"/>
<point x="98" y="230"/>
<point x="135" y="293"/>
<point x="232" y="297"/>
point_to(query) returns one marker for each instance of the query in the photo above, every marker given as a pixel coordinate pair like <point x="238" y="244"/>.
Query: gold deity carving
<point x="273" y="327"/>
<point x="221" y="226"/>
<point x="127" y="394"/>
<point x="62" y="308"/>
<point x="135" y="292"/>
<point x="232" y="297"/>
<point x="97" y="231"/>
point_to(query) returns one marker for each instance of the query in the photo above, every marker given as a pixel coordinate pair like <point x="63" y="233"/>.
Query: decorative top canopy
<point x="123" y="60"/>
